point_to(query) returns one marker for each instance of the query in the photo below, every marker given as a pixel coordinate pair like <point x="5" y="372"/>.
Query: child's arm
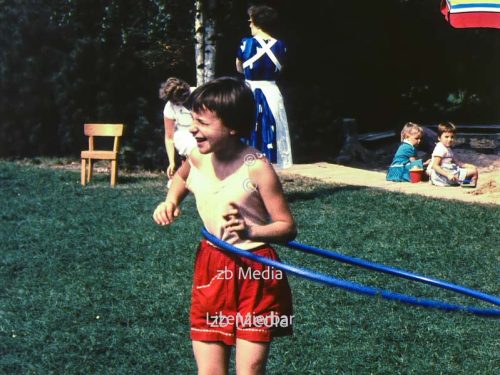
<point x="412" y="154"/>
<point x="166" y="212"/>
<point x="436" y="165"/>
<point x="282" y="225"/>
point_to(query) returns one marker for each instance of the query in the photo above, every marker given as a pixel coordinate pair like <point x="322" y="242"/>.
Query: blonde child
<point x="240" y="200"/>
<point x="444" y="169"/>
<point x="406" y="154"/>
<point x="177" y="121"/>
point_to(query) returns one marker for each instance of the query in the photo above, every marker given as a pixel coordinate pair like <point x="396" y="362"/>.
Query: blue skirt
<point x="401" y="172"/>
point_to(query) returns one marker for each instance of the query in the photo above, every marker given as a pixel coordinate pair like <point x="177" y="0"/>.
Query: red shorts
<point x="235" y="297"/>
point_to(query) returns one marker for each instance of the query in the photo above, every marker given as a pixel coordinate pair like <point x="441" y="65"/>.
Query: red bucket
<point x="416" y="175"/>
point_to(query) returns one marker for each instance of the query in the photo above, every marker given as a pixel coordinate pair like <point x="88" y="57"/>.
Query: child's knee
<point x="251" y="357"/>
<point x="254" y="366"/>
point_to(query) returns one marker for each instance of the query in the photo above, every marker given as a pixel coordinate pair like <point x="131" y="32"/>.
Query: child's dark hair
<point x="446" y="127"/>
<point x="231" y="99"/>
<point x="175" y="90"/>
<point x="264" y="17"/>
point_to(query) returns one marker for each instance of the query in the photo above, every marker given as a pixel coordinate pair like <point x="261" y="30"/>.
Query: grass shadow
<point x="138" y="179"/>
<point x="299" y="188"/>
<point x="321" y="192"/>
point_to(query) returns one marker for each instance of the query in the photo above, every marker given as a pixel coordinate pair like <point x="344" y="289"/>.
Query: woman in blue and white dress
<point x="260" y="58"/>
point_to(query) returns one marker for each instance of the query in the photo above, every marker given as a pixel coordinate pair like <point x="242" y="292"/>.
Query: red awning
<point x="472" y="13"/>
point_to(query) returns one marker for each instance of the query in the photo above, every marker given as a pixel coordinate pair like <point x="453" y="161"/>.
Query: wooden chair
<point x="101" y="130"/>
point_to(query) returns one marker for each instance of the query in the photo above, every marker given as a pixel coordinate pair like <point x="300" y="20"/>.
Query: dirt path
<point x="487" y="191"/>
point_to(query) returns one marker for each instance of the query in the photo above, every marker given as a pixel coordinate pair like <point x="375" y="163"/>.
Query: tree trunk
<point x="205" y="40"/>
<point x="210" y="42"/>
<point x="199" y="27"/>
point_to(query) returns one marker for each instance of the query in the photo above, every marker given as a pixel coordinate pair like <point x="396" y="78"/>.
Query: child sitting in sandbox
<point x="444" y="169"/>
<point x="405" y="158"/>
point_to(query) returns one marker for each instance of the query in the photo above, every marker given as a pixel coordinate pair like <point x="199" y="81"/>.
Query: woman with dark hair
<point x="177" y="121"/>
<point x="260" y="58"/>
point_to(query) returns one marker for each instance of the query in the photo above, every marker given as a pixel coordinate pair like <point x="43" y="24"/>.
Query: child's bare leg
<point x="251" y="357"/>
<point x="212" y="358"/>
<point x="472" y="173"/>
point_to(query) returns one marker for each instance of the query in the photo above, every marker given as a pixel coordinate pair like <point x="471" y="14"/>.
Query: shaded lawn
<point x="88" y="284"/>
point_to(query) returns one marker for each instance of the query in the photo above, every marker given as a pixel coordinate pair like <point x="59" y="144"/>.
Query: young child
<point x="406" y="154"/>
<point x="444" y="169"/>
<point x="177" y="121"/>
<point x="241" y="201"/>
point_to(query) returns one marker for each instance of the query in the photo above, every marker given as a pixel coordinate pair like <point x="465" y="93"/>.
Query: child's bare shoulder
<point x="258" y="165"/>
<point x="254" y="158"/>
<point x="196" y="158"/>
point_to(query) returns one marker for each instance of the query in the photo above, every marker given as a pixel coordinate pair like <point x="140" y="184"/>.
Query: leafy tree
<point x="27" y="108"/>
<point x="70" y="62"/>
<point x="66" y="62"/>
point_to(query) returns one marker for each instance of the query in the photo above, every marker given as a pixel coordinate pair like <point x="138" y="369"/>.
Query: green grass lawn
<point x="90" y="285"/>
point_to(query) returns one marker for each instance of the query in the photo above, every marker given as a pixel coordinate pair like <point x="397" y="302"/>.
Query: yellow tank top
<point x="213" y="198"/>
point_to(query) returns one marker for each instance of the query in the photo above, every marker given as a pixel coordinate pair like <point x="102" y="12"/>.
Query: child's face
<point x="414" y="138"/>
<point x="447" y="139"/>
<point x="209" y="131"/>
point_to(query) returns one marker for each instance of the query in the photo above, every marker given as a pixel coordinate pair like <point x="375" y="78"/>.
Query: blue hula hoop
<point x="362" y="289"/>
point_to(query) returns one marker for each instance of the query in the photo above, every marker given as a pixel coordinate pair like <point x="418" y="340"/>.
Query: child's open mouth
<point x="200" y="140"/>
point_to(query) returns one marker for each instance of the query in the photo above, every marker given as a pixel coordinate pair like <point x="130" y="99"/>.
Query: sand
<point x="486" y="192"/>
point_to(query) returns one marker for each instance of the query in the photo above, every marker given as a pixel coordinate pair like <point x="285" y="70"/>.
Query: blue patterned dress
<point x="262" y="59"/>
<point x="399" y="170"/>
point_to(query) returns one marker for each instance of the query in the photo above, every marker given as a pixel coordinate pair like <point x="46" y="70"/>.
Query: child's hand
<point x="453" y="177"/>
<point x="235" y="224"/>
<point x="165" y="213"/>
<point x="170" y="171"/>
